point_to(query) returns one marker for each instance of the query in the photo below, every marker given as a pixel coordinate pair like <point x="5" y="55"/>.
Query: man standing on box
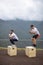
<point x="13" y="37"/>
<point x="35" y="33"/>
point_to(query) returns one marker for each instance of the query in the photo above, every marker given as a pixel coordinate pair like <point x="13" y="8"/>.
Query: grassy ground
<point x="19" y="48"/>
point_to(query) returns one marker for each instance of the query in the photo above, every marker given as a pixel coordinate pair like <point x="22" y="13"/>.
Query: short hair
<point x="12" y="30"/>
<point x="31" y="25"/>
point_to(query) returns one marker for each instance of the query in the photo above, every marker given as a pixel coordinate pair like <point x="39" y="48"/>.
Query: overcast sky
<point x="22" y="9"/>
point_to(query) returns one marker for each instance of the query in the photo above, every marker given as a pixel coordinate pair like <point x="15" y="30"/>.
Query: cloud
<point x="22" y="9"/>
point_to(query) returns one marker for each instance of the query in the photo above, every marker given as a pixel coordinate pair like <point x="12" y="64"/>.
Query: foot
<point x="34" y="45"/>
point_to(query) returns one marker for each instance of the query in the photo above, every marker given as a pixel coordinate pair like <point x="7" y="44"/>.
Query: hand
<point x="29" y="32"/>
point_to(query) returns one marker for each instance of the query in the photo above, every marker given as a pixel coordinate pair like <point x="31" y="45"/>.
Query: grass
<point x="3" y="48"/>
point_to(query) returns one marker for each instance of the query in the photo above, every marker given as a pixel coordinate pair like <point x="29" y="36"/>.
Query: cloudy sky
<point x="22" y="9"/>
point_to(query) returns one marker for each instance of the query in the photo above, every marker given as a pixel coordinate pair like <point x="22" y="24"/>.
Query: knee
<point x="32" y="38"/>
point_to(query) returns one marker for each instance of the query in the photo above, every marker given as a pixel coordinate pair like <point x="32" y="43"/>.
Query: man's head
<point x="11" y="31"/>
<point x="32" y="26"/>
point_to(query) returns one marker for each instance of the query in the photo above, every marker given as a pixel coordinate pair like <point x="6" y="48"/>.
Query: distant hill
<point x="20" y="27"/>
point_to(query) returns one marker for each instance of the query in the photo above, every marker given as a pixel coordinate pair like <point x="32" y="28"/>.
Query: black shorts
<point x="35" y="36"/>
<point x="13" y="41"/>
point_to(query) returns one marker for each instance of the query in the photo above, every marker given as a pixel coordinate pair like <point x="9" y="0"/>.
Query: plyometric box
<point x="30" y="51"/>
<point x="12" y="50"/>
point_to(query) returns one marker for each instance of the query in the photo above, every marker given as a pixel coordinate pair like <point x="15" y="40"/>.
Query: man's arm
<point x="31" y="32"/>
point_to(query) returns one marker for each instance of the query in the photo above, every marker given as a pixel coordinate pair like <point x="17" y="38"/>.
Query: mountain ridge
<point x="21" y="28"/>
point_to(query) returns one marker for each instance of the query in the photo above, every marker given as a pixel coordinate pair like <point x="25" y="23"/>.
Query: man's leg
<point x="12" y="41"/>
<point x="34" y="42"/>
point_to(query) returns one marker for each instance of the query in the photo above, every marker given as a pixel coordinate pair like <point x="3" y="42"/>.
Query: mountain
<point x="21" y="28"/>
